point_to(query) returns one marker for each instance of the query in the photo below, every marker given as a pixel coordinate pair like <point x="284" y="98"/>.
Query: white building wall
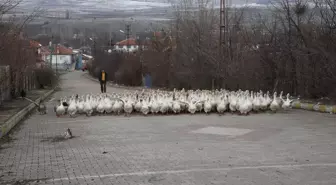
<point x="63" y="61"/>
<point x="124" y="48"/>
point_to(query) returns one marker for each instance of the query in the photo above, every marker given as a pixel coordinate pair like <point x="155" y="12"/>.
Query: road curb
<point x="315" y="107"/>
<point x="16" y="118"/>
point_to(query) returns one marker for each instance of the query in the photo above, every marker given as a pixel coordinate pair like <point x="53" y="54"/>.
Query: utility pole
<point x="51" y="48"/>
<point x="222" y="26"/>
<point x="128" y="26"/>
<point x="110" y="38"/>
<point x="223" y="29"/>
<point x="94" y="47"/>
<point x="57" y="46"/>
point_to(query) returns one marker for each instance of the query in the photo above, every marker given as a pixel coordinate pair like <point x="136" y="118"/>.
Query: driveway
<point x="263" y="149"/>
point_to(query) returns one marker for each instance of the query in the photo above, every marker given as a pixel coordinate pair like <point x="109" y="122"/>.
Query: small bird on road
<point x="68" y="134"/>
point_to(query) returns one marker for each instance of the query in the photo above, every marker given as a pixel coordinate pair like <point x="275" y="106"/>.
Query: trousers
<point x="103" y="86"/>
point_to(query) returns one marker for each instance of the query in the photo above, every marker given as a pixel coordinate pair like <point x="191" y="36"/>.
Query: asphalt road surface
<point x="285" y="148"/>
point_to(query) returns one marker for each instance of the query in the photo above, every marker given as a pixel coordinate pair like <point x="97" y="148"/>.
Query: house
<point x="130" y="44"/>
<point x="86" y="59"/>
<point x="37" y="49"/>
<point x="45" y="52"/>
<point x="62" y="57"/>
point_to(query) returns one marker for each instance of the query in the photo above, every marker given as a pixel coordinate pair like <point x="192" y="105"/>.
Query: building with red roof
<point x="62" y="50"/>
<point x="130" y="44"/>
<point x="62" y="57"/>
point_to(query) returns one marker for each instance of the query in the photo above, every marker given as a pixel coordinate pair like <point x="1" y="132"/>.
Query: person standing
<point x="102" y="80"/>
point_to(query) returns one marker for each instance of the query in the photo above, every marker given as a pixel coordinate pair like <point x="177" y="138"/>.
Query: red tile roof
<point x="34" y="44"/>
<point x="45" y="50"/>
<point x="62" y="50"/>
<point x="157" y="34"/>
<point x="126" y="42"/>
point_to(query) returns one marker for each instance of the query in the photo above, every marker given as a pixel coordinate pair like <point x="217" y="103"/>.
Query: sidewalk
<point x="12" y="112"/>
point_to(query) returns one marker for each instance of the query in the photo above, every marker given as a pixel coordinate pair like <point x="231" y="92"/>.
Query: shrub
<point x="129" y="72"/>
<point x="46" y="77"/>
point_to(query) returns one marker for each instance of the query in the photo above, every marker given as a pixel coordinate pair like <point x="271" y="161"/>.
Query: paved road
<point x="293" y="148"/>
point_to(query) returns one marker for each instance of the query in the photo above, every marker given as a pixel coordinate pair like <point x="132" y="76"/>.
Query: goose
<point x="87" y="107"/>
<point x="280" y="99"/>
<point x="221" y="106"/>
<point x="108" y="105"/>
<point x="72" y="109"/>
<point x="80" y="105"/>
<point x="176" y="107"/>
<point x="243" y="106"/>
<point x="274" y="106"/>
<point x="138" y="105"/>
<point x="60" y="110"/>
<point x="207" y="106"/>
<point x="128" y="107"/>
<point x="145" y="108"/>
<point x="256" y="103"/>
<point x="199" y="106"/>
<point x="176" y="102"/>
<point x="118" y="106"/>
<point x="42" y="108"/>
<point x="164" y="108"/>
<point x="100" y="107"/>
<point x="155" y="108"/>
<point x="192" y="107"/>
<point x="264" y="103"/>
<point x="287" y="103"/>
<point x="233" y="103"/>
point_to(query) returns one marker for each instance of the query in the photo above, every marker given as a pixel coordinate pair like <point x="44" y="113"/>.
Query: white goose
<point x="274" y="104"/>
<point x="87" y="106"/>
<point x="72" y="109"/>
<point x="287" y="103"/>
<point x="60" y="110"/>
<point x="145" y="108"/>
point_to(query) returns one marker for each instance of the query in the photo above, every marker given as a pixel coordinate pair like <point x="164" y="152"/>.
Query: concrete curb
<point x="315" y="107"/>
<point x="16" y="118"/>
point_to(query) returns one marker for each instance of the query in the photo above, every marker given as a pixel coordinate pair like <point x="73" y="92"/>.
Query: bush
<point x="129" y="72"/>
<point x="46" y="77"/>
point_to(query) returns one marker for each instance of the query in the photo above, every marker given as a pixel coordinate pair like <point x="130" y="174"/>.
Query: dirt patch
<point x="56" y="139"/>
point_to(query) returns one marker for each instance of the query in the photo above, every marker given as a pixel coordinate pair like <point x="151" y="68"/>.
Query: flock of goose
<point x="172" y="102"/>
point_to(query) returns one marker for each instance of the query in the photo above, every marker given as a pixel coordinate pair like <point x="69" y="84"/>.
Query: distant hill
<point x="267" y="2"/>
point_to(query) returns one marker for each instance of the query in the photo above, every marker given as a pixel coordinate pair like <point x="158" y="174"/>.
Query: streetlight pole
<point x="51" y="50"/>
<point x="57" y="49"/>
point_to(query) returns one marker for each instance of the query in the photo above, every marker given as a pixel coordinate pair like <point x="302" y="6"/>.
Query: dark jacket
<point x="100" y="77"/>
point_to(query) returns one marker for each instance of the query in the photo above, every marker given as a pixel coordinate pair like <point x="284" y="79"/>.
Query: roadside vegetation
<point x="289" y="46"/>
<point x="17" y="52"/>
